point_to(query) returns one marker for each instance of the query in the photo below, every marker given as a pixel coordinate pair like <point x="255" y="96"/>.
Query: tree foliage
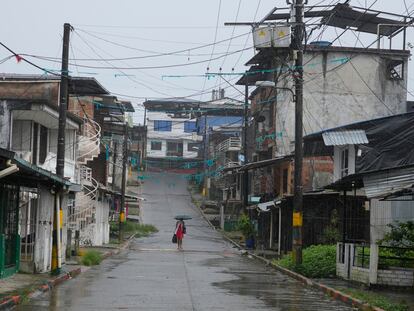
<point x="401" y="234"/>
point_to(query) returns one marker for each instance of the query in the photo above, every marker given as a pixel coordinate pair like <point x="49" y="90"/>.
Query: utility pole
<point x="205" y="166"/>
<point x="297" y="50"/>
<point x="123" y="185"/>
<point x="245" y="126"/>
<point x="60" y="157"/>
<point x="114" y="156"/>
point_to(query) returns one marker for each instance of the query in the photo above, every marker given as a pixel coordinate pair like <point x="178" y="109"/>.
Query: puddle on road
<point x="275" y="290"/>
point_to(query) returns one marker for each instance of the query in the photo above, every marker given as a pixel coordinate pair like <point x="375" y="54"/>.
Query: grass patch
<point x="376" y="300"/>
<point x="319" y="261"/>
<point x="140" y="230"/>
<point x="131" y="228"/>
<point x="91" y="258"/>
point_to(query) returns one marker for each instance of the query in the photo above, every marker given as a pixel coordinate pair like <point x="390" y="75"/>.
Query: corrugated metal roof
<point x="341" y="138"/>
<point x="386" y="183"/>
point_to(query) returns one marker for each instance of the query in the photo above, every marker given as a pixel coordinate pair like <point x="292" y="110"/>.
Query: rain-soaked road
<point x="208" y="275"/>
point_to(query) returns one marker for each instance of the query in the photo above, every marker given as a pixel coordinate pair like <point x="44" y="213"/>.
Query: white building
<point x="171" y="130"/>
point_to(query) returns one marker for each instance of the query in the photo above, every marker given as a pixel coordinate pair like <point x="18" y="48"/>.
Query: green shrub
<point x="91" y="258"/>
<point x="319" y="261"/>
<point x="245" y="226"/>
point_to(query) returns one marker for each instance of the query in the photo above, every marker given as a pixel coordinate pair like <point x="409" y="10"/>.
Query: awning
<point x="129" y="197"/>
<point x="389" y="182"/>
<point x="30" y="174"/>
<point x="265" y="163"/>
<point x="342" y="138"/>
<point x="266" y="206"/>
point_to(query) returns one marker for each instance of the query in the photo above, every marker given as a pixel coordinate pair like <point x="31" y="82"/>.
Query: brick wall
<point x="396" y="277"/>
<point x="360" y="275"/>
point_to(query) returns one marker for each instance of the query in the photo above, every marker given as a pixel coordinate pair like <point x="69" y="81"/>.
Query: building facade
<point x="171" y="131"/>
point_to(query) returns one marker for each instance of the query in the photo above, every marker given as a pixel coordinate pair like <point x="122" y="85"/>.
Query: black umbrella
<point x="182" y="217"/>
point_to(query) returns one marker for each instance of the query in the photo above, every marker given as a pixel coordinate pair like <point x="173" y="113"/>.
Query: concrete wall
<point x="97" y="233"/>
<point x="396" y="277"/>
<point x="163" y="152"/>
<point x="5" y="125"/>
<point x="39" y="90"/>
<point x="43" y="245"/>
<point x="336" y="94"/>
<point x="177" y="134"/>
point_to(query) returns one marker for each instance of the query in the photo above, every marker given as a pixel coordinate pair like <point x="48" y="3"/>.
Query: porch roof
<point x="265" y="163"/>
<point x="30" y="174"/>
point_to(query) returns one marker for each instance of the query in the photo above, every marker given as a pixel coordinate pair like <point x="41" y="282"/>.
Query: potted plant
<point x="247" y="229"/>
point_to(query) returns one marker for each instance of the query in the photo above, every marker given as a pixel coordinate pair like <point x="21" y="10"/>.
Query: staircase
<point x="83" y="212"/>
<point x="89" y="141"/>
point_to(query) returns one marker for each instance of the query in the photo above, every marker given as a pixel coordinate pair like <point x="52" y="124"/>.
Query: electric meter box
<point x="272" y="36"/>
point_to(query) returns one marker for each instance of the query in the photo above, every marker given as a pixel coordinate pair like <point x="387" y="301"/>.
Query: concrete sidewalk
<point x="23" y="286"/>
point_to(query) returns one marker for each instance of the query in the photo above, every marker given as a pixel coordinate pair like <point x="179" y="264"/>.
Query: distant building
<point x="171" y="132"/>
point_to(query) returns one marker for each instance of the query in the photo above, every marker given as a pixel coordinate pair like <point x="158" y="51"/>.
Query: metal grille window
<point x="395" y="69"/>
<point x="156" y="145"/>
<point x="162" y="126"/>
<point x="174" y="149"/>
<point x="28" y="203"/>
<point x="9" y="214"/>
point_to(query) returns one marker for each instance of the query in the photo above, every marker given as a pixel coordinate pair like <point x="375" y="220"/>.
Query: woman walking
<point x="179" y="232"/>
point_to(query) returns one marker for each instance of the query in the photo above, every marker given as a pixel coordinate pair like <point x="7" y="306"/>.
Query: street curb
<point x="8" y="303"/>
<point x="333" y="293"/>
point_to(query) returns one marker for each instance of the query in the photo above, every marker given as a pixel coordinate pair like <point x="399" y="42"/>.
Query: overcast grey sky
<point x="136" y="28"/>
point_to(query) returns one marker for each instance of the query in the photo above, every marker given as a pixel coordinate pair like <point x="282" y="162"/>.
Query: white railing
<point x="230" y="144"/>
<point x="84" y="208"/>
<point x="89" y="141"/>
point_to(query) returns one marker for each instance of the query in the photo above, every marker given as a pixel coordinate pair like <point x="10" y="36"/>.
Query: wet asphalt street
<point x="208" y="275"/>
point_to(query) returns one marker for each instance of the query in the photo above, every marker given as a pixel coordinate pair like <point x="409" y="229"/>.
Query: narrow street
<point x="153" y="275"/>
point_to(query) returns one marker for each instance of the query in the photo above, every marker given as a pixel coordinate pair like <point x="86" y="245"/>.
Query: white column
<point x="373" y="263"/>
<point x="271" y="230"/>
<point x="222" y="216"/>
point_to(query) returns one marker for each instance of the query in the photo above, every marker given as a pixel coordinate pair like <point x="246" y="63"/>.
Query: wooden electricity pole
<point x="60" y="154"/>
<point x="297" y="52"/>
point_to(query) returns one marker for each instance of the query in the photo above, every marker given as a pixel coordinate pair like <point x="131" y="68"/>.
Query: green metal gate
<point x="9" y="236"/>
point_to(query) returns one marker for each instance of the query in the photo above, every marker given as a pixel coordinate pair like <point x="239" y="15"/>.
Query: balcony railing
<point x="231" y="144"/>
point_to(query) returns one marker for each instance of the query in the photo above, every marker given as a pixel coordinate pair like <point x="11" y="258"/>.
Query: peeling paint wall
<point x="5" y="121"/>
<point x="97" y="233"/>
<point x="340" y="92"/>
<point x="44" y="229"/>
